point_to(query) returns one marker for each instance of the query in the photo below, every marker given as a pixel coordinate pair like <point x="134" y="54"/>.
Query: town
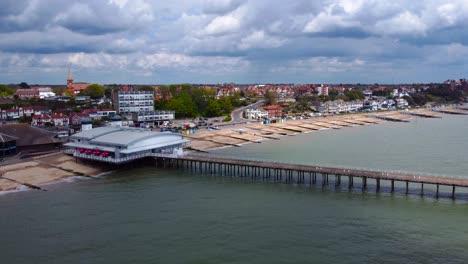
<point x="38" y="119"/>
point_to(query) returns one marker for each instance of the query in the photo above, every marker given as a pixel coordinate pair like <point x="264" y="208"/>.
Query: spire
<point x="70" y="76"/>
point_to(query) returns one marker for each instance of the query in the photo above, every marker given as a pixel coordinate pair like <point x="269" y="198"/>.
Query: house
<point x="76" y="118"/>
<point x="60" y="120"/>
<point x="274" y="111"/>
<point x="28" y="111"/>
<point x="27" y="93"/>
<point x="41" y="120"/>
<point x="255" y="114"/>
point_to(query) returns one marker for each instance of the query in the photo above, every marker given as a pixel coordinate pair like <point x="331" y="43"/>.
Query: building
<point x="340" y="106"/>
<point x="274" y="111"/>
<point x="74" y="88"/>
<point x="77" y="118"/>
<point x="121" y="145"/>
<point x="255" y="114"/>
<point x="41" y="120"/>
<point x="32" y="139"/>
<point x="322" y="90"/>
<point x="70" y="88"/>
<point x="133" y="101"/>
<point x="7" y="145"/>
<point x="60" y="120"/>
<point x="152" y="117"/>
<point x="44" y="92"/>
<point x="27" y="93"/>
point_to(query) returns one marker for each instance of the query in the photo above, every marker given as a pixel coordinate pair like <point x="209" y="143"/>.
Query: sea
<point x="154" y="215"/>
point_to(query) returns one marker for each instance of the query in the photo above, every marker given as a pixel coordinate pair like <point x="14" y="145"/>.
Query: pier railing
<point x="297" y="173"/>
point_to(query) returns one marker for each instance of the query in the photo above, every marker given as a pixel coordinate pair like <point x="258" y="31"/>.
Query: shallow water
<point x="150" y="215"/>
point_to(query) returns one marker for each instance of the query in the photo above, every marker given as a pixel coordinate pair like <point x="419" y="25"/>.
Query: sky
<point x="241" y="41"/>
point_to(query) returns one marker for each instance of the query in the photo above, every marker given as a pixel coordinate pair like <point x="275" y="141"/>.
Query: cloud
<point x="220" y="6"/>
<point x="233" y="40"/>
<point x="222" y="25"/>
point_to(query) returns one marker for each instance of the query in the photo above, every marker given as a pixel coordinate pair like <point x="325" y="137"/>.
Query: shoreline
<point x="237" y="135"/>
<point x="38" y="172"/>
<point x="42" y="171"/>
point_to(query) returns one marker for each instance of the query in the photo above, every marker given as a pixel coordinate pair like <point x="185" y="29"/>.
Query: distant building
<point x="255" y="114"/>
<point x="77" y="118"/>
<point x="60" y="120"/>
<point x="274" y="111"/>
<point x="27" y="93"/>
<point x="340" y="106"/>
<point x="322" y="90"/>
<point x="152" y="117"/>
<point x="41" y="120"/>
<point x="74" y="88"/>
<point x="133" y="101"/>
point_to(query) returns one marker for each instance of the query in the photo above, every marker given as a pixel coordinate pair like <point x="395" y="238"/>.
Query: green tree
<point x="270" y="98"/>
<point x="182" y="105"/>
<point x="226" y="105"/>
<point x="6" y="91"/>
<point x="213" y="109"/>
<point x="59" y="90"/>
<point x="94" y="90"/>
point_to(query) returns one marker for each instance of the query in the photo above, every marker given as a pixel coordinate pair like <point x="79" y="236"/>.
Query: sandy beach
<point x="43" y="170"/>
<point x="256" y="132"/>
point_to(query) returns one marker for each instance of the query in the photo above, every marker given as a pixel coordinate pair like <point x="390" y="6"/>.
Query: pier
<point x="305" y="174"/>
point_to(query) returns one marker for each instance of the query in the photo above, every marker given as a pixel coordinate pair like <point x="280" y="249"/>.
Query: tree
<point x="270" y="98"/>
<point x="59" y="90"/>
<point x="94" y="90"/>
<point x="332" y="94"/>
<point x="182" y="105"/>
<point x="213" y="109"/>
<point x="5" y="91"/>
<point x="146" y="88"/>
<point x="24" y="85"/>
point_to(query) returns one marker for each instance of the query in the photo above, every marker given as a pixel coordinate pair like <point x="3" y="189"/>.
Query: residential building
<point x="27" y="93"/>
<point x="255" y="114"/>
<point x="133" y="101"/>
<point x="77" y="118"/>
<point x="60" y="120"/>
<point x="340" y="106"/>
<point x="41" y="120"/>
<point x="322" y="90"/>
<point x="274" y="111"/>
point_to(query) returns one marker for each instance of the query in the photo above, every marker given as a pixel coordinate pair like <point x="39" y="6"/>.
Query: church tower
<point x="70" y="88"/>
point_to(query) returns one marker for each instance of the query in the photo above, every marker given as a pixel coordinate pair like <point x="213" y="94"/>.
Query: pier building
<point x="121" y="145"/>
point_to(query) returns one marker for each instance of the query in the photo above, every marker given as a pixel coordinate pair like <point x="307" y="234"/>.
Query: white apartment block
<point x="133" y="101"/>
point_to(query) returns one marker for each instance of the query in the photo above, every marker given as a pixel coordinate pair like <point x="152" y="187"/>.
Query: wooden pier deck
<point x="296" y="173"/>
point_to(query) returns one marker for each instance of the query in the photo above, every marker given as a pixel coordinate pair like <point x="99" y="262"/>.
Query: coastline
<point x="58" y="167"/>
<point x="41" y="171"/>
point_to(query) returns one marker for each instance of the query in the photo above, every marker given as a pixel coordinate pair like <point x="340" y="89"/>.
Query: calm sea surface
<point x="149" y="215"/>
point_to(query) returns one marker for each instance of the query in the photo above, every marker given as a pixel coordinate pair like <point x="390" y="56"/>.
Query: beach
<point x="43" y="170"/>
<point x="256" y="132"/>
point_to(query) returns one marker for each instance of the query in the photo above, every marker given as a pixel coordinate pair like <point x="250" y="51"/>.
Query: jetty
<point x="278" y="172"/>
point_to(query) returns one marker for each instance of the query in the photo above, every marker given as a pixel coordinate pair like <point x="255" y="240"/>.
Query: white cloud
<point x="404" y="23"/>
<point x="222" y="25"/>
<point x="258" y="39"/>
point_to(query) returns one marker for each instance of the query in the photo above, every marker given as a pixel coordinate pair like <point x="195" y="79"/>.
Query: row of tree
<point x="189" y="101"/>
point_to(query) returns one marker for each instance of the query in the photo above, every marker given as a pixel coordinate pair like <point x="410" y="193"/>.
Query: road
<point x="236" y="115"/>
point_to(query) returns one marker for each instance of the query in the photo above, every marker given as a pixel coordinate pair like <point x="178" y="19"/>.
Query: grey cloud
<point x="221" y="6"/>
